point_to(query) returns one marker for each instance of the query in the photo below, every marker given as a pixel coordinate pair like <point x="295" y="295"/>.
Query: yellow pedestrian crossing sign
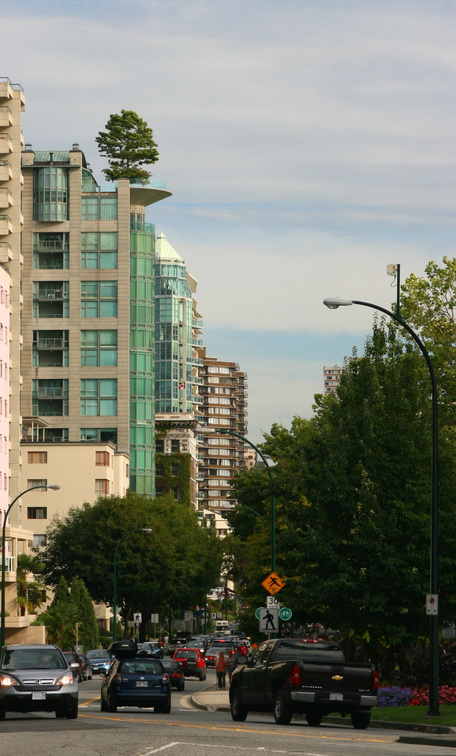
<point x="273" y="583"/>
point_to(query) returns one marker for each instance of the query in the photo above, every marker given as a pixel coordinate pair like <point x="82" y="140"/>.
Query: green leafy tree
<point x="88" y="633"/>
<point x="173" y="566"/>
<point x="127" y="143"/>
<point x="60" y="622"/>
<point x="31" y="594"/>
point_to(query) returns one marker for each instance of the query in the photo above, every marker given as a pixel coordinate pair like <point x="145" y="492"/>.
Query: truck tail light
<point x="117" y="678"/>
<point x="375" y="679"/>
<point x="165" y="678"/>
<point x="295" y="675"/>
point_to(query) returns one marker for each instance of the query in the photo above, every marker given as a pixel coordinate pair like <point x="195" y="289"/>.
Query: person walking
<point x="220" y="668"/>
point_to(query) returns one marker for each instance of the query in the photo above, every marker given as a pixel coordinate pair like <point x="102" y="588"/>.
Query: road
<point x="188" y="731"/>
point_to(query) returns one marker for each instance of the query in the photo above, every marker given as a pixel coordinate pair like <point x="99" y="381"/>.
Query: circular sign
<point x="285" y="613"/>
<point x="258" y="612"/>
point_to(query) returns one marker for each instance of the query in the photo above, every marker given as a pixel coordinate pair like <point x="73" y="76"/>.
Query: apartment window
<point x="160" y="446"/>
<point x="37" y="482"/>
<point x="99" y="299"/>
<point x="39" y="540"/>
<point x="99" y="434"/>
<point x="99" y="208"/>
<point x="99" y="249"/>
<point x="102" y="459"/>
<point x="99" y="396"/>
<point x="101" y="486"/>
<point x="175" y="445"/>
<point x="99" y="348"/>
<point x="37" y="457"/>
<point x="37" y="513"/>
<point x="177" y="493"/>
<point x="175" y="469"/>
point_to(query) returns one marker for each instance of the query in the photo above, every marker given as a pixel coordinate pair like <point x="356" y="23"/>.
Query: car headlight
<point x="66" y="679"/>
<point x="6" y="681"/>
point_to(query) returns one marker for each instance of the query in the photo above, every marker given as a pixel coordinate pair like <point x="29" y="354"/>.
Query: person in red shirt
<point x="220" y="668"/>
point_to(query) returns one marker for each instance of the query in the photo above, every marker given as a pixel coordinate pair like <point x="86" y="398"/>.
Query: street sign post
<point x="272" y="602"/>
<point x="137" y="618"/>
<point x="258" y="612"/>
<point x="269" y="620"/>
<point x="285" y="613"/>
<point x="273" y="583"/>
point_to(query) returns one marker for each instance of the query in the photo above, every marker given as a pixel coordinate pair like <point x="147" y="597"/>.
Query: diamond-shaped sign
<point x="273" y="583"/>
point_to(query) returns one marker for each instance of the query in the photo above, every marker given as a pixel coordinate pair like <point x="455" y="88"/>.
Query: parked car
<point x="100" y="660"/>
<point x="151" y="648"/>
<point x="74" y="661"/>
<point x="175" y="673"/>
<point x="36" y="677"/>
<point x="86" y="667"/>
<point x="192" y="662"/>
<point x="134" y="680"/>
<point x="216" y="646"/>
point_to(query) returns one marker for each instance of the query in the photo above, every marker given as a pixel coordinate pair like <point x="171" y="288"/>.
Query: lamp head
<point x="146" y="530"/>
<point x="54" y="488"/>
<point x="334" y="302"/>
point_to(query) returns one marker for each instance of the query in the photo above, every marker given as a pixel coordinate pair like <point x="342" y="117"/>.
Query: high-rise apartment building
<point x="224" y="409"/>
<point x="88" y="323"/>
<point x="331" y="377"/>
<point x="178" y="326"/>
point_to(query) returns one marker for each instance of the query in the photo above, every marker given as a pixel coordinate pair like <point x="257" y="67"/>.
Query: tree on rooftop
<point x="128" y="143"/>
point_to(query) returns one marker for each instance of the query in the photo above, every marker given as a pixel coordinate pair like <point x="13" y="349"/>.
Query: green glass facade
<point x="142" y="414"/>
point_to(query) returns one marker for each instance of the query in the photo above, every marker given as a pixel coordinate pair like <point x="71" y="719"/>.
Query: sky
<point x="307" y="143"/>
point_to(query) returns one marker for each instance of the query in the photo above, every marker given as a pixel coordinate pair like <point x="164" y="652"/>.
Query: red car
<point x="192" y="662"/>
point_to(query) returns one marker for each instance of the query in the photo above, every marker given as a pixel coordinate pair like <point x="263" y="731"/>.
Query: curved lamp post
<point x="5" y="518"/>
<point x="333" y="303"/>
<point x="273" y="518"/>
<point x="135" y="530"/>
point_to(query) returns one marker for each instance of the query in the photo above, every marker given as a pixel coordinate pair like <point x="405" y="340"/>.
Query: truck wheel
<point x="314" y="718"/>
<point x="282" y="710"/>
<point x="360" y="719"/>
<point x="112" y="707"/>
<point x="238" y="710"/>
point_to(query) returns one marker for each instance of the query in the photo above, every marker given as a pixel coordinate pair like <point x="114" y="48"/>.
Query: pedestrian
<point x="220" y="668"/>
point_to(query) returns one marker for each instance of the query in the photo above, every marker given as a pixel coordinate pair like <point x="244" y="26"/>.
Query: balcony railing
<point x="9" y="562"/>
<point x="50" y="344"/>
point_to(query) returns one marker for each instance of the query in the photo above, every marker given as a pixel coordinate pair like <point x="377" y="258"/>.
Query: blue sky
<point x="307" y="143"/>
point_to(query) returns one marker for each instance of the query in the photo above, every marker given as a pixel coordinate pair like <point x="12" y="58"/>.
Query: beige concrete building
<point x="224" y="409"/>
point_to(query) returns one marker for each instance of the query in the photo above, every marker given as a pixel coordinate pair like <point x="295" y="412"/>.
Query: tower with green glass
<point x="88" y="311"/>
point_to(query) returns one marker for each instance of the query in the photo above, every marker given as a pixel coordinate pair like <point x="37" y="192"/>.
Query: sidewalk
<point x="218" y="700"/>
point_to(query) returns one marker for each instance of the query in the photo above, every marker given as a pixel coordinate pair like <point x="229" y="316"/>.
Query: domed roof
<point x="164" y="250"/>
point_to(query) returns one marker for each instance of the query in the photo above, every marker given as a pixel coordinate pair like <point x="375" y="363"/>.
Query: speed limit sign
<point x="432" y="603"/>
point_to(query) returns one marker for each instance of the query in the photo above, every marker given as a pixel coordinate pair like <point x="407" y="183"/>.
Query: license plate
<point x="336" y="696"/>
<point x="38" y="695"/>
<point x="141" y="683"/>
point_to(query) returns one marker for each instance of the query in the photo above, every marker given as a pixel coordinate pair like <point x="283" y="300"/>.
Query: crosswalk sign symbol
<point x="273" y="583"/>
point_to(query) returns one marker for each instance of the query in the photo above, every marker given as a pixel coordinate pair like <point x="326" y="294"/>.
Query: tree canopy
<point x="353" y="503"/>
<point x="127" y="143"/>
<point x="173" y="566"/>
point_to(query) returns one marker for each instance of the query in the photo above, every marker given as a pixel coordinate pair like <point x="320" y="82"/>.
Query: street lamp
<point x="5" y="518"/>
<point x="333" y="303"/>
<point x="268" y="467"/>
<point x="135" y="530"/>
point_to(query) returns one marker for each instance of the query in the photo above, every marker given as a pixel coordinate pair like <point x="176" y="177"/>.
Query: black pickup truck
<point x="293" y="676"/>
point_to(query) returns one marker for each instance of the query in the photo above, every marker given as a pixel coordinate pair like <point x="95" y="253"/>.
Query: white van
<point x="222" y="626"/>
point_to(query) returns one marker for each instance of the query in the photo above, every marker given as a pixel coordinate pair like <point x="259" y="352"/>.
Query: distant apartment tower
<point x="178" y="326"/>
<point x="12" y="103"/>
<point x="88" y="324"/>
<point x="331" y="378"/>
<point x="224" y="408"/>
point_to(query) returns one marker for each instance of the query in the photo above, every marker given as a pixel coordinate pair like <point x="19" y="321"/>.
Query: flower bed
<point x="393" y="695"/>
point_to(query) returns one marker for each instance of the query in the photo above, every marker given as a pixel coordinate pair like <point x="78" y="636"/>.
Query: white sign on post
<point x="137" y="618"/>
<point x="269" y="620"/>
<point x="272" y="602"/>
<point x="154" y="618"/>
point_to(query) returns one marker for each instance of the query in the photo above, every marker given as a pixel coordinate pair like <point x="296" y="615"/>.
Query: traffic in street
<point x="192" y="731"/>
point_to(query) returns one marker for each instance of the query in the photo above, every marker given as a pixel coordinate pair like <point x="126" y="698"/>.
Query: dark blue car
<point x="136" y="681"/>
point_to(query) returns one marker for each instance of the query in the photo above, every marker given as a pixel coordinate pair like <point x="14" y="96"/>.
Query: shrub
<point x="393" y="695"/>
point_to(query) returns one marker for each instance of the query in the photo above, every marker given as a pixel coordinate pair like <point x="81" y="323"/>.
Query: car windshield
<point x="187" y="654"/>
<point x="33" y="658"/>
<point x="141" y="666"/>
<point x="98" y="654"/>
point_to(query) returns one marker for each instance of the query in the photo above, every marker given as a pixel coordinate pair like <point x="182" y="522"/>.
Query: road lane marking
<point x="288" y="734"/>
<point x="90" y="701"/>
